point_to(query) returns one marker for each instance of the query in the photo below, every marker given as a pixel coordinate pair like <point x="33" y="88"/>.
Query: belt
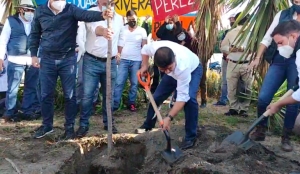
<point x="239" y="62"/>
<point x="102" y="59"/>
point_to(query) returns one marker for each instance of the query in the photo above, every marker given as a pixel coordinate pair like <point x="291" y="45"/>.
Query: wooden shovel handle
<point x="159" y="117"/>
<point x="287" y="94"/>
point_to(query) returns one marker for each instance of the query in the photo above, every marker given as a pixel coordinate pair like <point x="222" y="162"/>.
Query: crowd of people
<point x="58" y="39"/>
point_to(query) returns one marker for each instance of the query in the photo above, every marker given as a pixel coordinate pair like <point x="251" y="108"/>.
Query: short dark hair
<point x="286" y="27"/>
<point x="130" y="13"/>
<point x="163" y="57"/>
<point x="242" y="21"/>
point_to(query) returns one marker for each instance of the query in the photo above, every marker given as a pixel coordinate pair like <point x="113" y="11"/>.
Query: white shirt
<point x="267" y="40"/>
<point x="186" y="63"/>
<point x="97" y="45"/>
<point x="4" y="39"/>
<point x="229" y="40"/>
<point x="133" y="43"/>
<point x="296" y="94"/>
<point x="3" y="78"/>
<point x="81" y="39"/>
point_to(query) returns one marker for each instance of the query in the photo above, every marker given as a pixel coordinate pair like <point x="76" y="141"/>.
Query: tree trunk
<point x="108" y="88"/>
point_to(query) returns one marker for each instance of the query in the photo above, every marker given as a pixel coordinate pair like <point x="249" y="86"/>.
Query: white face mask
<point x="28" y="16"/>
<point x="59" y="5"/>
<point x="286" y="50"/>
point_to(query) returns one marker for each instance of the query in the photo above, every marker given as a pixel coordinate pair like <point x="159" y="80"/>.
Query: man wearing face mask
<point x="135" y="37"/>
<point x="94" y="64"/>
<point x="282" y="67"/>
<point x="286" y="36"/>
<point x="54" y="31"/>
<point x="14" y="42"/>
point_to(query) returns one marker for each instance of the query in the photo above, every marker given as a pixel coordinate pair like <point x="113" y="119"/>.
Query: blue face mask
<point x="296" y="8"/>
<point x="169" y="26"/>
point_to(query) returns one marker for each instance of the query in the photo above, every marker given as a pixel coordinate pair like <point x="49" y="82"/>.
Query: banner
<point x="186" y="22"/>
<point x="141" y="7"/>
<point x="163" y="8"/>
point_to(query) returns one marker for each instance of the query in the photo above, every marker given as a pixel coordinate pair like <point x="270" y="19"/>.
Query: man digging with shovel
<point x="286" y="36"/>
<point x="183" y="74"/>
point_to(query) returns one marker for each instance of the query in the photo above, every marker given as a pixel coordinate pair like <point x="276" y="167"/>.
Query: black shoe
<point x="114" y="129"/>
<point x="243" y="113"/>
<point x="231" y="112"/>
<point x="82" y="131"/>
<point x="42" y="131"/>
<point x="69" y="134"/>
<point x="187" y="144"/>
<point x="220" y="103"/>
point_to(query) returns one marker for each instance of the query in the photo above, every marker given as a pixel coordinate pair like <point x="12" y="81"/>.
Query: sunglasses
<point x="28" y="10"/>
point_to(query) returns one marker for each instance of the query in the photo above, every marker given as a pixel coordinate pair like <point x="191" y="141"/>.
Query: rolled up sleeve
<point x="183" y="86"/>
<point x="146" y="50"/>
<point x="267" y="40"/>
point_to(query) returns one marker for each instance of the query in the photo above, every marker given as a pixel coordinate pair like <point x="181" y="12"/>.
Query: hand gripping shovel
<point x="242" y="140"/>
<point x="170" y="154"/>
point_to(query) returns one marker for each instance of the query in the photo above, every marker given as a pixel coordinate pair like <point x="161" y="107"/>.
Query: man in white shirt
<point x="80" y="50"/>
<point x="183" y="74"/>
<point x="286" y="36"/>
<point x="134" y="38"/>
<point x="94" y="64"/>
<point x="14" y="42"/>
<point x="282" y="68"/>
<point x="237" y="68"/>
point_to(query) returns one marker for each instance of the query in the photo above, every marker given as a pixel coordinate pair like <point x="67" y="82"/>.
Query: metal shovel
<point x="242" y="140"/>
<point x="170" y="155"/>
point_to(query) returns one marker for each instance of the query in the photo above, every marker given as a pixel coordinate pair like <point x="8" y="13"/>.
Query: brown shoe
<point x="259" y="134"/>
<point x="6" y="119"/>
<point x="285" y="140"/>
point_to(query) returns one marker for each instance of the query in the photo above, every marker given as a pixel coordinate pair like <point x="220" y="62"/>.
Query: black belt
<point x="239" y="62"/>
<point x="102" y="59"/>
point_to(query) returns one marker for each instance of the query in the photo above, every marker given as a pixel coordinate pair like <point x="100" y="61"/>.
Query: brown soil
<point x="139" y="153"/>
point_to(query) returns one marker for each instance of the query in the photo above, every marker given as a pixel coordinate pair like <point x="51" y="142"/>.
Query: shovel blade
<point x="171" y="156"/>
<point x="235" y="138"/>
<point x="247" y="144"/>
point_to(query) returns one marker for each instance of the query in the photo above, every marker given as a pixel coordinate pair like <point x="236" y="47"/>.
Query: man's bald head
<point x="164" y="57"/>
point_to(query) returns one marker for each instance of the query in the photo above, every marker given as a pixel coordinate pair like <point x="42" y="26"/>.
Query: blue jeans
<point x="79" y="84"/>
<point x="30" y="103"/>
<point x="50" y="70"/>
<point x="94" y="71"/>
<point x="223" y="97"/>
<point x="126" y="67"/>
<point x="167" y="85"/>
<point x="278" y="72"/>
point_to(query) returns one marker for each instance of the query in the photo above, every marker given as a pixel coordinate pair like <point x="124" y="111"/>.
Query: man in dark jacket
<point x="54" y="30"/>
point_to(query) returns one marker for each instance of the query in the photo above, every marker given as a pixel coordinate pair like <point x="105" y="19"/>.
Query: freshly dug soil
<point x="142" y="154"/>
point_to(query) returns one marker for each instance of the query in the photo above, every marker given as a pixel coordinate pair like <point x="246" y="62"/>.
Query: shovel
<point x="242" y="140"/>
<point x="170" y="155"/>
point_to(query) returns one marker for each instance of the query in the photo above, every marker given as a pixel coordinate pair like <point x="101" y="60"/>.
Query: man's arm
<point x="144" y="37"/>
<point x="225" y="44"/>
<point x="121" y="40"/>
<point x="85" y="15"/>
<point x="182" y="89"/>
<point x="4" y="38"/>
<point x="35" y="34"/>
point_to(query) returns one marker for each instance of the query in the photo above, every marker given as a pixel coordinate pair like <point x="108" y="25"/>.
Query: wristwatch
<point x="171" y="118"/>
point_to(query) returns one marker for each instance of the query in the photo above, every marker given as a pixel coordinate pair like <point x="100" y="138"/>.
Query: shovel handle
<point x="287" y="94"/>
<point x="267" y="113"/>
<point x="159" y="117"/>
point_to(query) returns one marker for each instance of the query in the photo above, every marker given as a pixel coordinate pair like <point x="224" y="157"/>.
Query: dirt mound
<point x="142" y="154"/>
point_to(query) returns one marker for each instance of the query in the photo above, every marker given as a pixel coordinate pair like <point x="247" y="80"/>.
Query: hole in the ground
<point x="125" y="158"/>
